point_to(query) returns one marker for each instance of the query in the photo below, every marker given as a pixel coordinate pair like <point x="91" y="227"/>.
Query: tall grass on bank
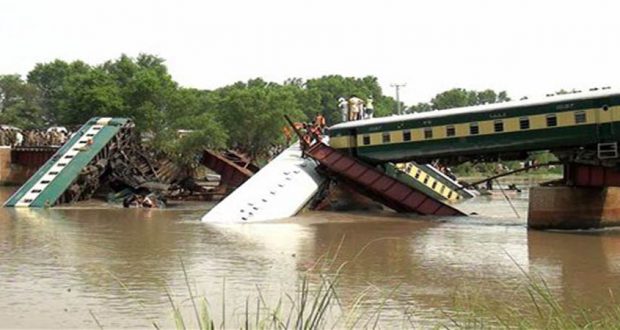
<point x="313" y="306"/>
<point x="534" y="306"/>
<point x="316" y="305"/>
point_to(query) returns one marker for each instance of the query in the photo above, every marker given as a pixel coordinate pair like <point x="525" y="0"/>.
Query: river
<point x="74" y="267"/>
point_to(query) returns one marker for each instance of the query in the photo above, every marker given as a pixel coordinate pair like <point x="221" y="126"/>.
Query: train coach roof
<point x="480" y="108"/>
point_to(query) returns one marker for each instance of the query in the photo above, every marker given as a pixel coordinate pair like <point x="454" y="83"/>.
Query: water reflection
<point x="579" y="265"/>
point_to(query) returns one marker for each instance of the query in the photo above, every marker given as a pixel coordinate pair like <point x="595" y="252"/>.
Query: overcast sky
<point x="524" y="47"/>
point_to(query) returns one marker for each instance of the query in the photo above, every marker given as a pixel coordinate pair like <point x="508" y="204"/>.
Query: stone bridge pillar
<point x="5" y="163"/>
<point x="18" y="164"/>
<point x="589" y="198"/>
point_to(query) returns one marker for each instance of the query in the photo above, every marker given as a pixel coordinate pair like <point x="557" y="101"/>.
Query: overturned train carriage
<point x="576" y="127"/>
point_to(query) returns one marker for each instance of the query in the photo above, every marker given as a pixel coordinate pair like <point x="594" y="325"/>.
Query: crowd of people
<point x="355" y="108"/>
<point x="32" y="138"/>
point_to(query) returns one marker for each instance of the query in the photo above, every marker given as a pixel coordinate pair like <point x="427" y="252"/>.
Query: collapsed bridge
<point x="581" y="129"/>
<point x="49" y="186"/>
<point x="103" y="151"/>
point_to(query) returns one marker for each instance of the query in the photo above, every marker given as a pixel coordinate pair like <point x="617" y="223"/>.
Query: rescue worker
<point x="315" y="134"/>
<point x="30" y="138"/>
<point x="355" y="107"/>
<point x="305" y="133"/>
<point x="56" y="138"/>
<point x="288" y="135"/>
<point x="319" y="121"/>
<point x="3" y="139"/>
<point x="10" y="137"/>
<point x="343" y="106"/>
<point x="19" y="138"/>
<point x="369" y="110"/>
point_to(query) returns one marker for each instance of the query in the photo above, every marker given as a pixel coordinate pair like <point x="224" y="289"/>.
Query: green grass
<point x="534" y="305"/>
<point x="316" y="305"/>
<point x="542" y="309"/>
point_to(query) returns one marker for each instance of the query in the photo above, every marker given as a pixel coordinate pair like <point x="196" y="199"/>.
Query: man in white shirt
<point x="343" y="106"/>
<point x="356" y="106"/>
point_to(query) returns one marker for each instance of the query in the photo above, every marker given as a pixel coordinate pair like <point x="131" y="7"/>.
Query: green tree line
<point x="245" y="115"/>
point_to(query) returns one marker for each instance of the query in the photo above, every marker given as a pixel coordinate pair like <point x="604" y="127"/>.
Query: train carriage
<point x="578" y="125"/>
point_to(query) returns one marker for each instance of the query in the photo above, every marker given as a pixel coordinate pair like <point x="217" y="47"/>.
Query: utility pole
<point x="398" y="86"/>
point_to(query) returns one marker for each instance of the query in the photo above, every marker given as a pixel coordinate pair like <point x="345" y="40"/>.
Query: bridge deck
<point x="378" y="185"/>
<point x="32" y="157"/>
<point x="231" y="174"/>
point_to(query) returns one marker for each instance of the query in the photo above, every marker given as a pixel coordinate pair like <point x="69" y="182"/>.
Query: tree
<point x="51" y="80"/>
<point x="146" y="89"/>
<point x="459" y="97"/>
<point x="322" y="94"/>
<point x="254" y="113"/>
<point x="19" y="103"/>
<point x="202" y="131"/>
<point x="420" y="107"/>
<point x="87" y="95"/>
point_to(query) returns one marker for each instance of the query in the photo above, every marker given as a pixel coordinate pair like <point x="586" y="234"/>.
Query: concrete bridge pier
<point x="567" y="207"/>
<point x="18" y="164"/>
<point x="590" y="198"/>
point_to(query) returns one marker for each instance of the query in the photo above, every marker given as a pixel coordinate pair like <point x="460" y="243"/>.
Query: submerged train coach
<point x="579" y="126"/>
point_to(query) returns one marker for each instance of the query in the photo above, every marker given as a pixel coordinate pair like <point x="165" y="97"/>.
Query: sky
<point x="528" y="48"/>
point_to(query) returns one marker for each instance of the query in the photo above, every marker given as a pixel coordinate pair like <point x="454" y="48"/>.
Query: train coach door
<point x="607" y="147"/>
<point x="604" y="122"/>
<point x="353" y="142"/>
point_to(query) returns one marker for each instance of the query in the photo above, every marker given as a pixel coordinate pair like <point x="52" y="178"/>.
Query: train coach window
<point x="524" y="123"/>
<point x="386" y="138"/>
<point x="450" y="131"/>
<point x="580" y="117"/>
<point x="428" y="132"/>
<point x="498" y="126"/>
<point x="474" y="129"/>
<point x="552" y="120"/>
<point x="407" y="135"/>
<point x="366" y="140"/>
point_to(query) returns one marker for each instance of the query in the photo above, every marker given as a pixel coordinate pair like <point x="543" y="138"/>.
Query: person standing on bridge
<point x="3" y="139"/>
<point x="10" y="137"/>
<point x="19" y="138"/>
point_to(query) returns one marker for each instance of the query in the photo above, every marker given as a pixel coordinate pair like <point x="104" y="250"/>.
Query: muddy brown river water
<point x="64" y="267"/>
